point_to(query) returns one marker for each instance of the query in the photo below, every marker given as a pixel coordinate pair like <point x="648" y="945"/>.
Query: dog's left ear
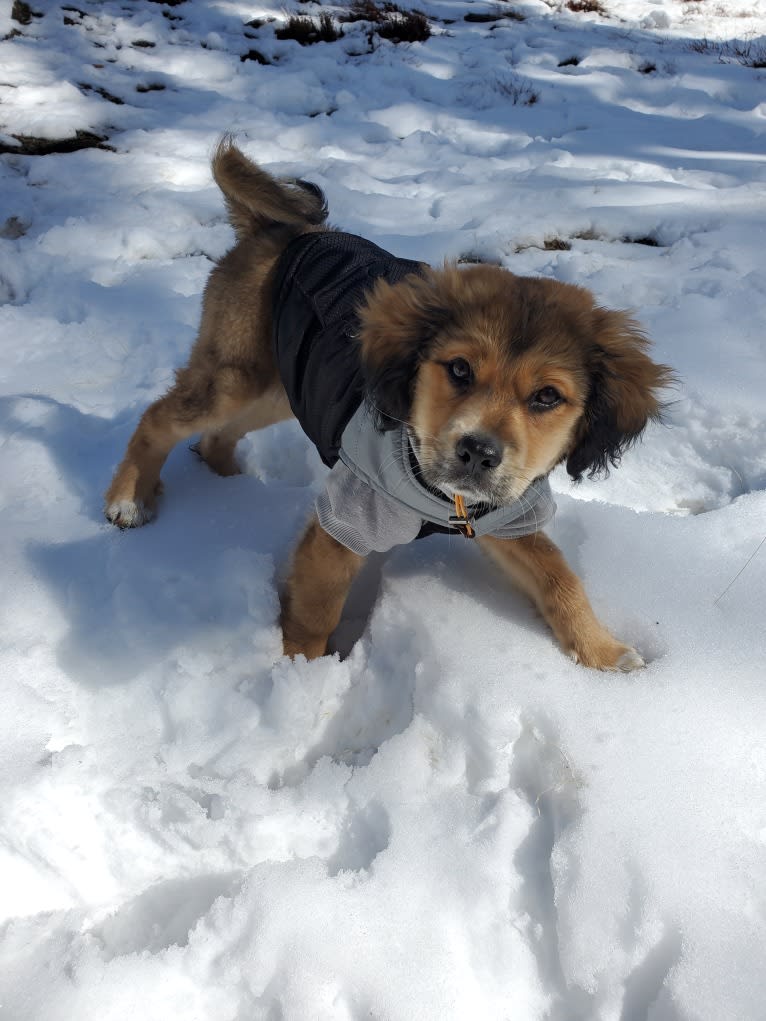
<point x="624" y="394"/>
<point x="398" y="323"/>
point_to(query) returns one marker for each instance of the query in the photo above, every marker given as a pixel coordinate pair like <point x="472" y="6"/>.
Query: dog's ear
<point x="624" y="394"/>
<point x="398" y="323"/>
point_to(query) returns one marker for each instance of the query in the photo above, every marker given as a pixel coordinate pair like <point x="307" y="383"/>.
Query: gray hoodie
<point x="374" y="501"/>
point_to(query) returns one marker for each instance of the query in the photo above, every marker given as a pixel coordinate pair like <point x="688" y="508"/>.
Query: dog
<point x="441" y="399"/>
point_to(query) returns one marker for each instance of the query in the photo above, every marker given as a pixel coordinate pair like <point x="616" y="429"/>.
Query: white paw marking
<point x="629" y="660"/>
<point x="128" y="513"/>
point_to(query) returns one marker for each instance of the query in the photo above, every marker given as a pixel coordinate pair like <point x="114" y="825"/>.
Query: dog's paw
<point x="128" y="513"/>
<point x="310" y="648"/>
<point x="630" y="660"/>
<point x="605" y="653"/>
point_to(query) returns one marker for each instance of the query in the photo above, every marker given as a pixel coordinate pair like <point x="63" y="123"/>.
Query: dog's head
<point x="500" y="378"/>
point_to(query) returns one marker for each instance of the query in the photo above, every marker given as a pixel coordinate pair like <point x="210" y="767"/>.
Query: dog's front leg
<point x="538" y="567"/>
<point x="316" y="591"/>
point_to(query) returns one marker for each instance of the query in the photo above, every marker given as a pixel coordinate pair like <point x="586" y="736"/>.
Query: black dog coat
<point x="373" y="499"/>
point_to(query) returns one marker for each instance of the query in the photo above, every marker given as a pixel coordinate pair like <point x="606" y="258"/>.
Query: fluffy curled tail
<point x="256" y="200"/>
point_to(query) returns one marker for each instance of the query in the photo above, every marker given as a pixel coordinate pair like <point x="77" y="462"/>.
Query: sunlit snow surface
<point x="454" y="822"/>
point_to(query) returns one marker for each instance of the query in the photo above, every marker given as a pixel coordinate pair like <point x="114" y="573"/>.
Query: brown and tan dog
<point x="499" y="378"/>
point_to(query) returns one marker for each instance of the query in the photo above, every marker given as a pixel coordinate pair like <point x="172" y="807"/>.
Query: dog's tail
<point x="256" y="200"/>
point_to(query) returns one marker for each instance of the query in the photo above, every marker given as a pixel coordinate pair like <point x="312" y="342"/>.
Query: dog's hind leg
<point x="217" y="446"/>
<point x="194" y="404"/>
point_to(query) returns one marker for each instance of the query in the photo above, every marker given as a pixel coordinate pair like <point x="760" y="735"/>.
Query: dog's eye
<point x="459" y="371"/>
<point x="546" y="398"/>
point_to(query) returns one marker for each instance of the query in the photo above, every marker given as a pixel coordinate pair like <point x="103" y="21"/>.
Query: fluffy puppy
<point x="440" y="398"/>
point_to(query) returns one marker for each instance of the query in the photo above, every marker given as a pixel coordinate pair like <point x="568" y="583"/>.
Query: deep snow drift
<point x="454" y="821"/>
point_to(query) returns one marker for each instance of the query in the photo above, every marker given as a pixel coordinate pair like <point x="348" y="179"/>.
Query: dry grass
<point x="30" y="145"/>
<point x="256" y="56"/>
<point x="520" y="91"/>
<point x="368" y="10"/>
<point x="307" y="31"/>
<point x="496" y="14"/>
<point x="22" y="12"/>
<point x="108" y="96"/>
<point x="748" y="53"/>
<point x="474" y="258"/>
<point x="391" y="21"/>
<point x="557" y="245"/>
<point x="586" y="6"/>
<point x="405" y="27"/>
<point x="560" y="243"/>
<point x="644" y="239"/>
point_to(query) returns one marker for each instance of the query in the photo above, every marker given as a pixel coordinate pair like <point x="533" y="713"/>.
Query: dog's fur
<point x="531" y="370"/>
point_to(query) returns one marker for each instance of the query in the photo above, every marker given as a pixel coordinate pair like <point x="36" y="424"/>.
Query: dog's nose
<point x="478" y="453"/>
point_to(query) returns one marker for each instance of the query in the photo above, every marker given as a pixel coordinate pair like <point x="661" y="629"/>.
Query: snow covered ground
<point x="454" y="821"/>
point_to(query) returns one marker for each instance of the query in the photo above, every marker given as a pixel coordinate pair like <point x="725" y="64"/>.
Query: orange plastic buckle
<point x="459" y="519"/>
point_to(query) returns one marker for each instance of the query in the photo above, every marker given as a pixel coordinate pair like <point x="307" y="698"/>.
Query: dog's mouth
<point x="473" y="493"/>
<point x="450" y="477"/>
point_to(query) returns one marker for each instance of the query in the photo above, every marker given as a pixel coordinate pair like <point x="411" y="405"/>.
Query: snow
<point x="454" y="820"/>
